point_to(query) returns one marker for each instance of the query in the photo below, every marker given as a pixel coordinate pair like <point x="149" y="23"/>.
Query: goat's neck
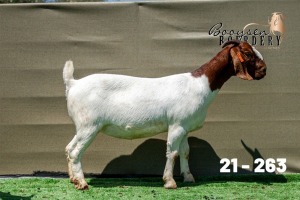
<point x="218" y="70"/>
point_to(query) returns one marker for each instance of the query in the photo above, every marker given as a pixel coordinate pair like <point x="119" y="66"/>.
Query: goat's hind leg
<point x="82" y="140"/>
<point x="69" y="148"/>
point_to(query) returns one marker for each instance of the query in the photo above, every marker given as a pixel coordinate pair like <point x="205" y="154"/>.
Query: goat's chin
<point x="246" y="77"/>
<point x="259" y="76"/>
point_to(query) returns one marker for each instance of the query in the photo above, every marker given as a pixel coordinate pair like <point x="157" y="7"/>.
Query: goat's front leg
<point x="175" y="136"/>
<point x="184" y="161"/>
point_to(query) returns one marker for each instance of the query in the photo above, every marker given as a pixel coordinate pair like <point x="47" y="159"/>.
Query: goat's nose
<point x="262" y="66"/>
<point x="261" y="70"/>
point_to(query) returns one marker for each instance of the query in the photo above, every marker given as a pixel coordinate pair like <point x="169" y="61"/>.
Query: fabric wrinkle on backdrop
<point x="247" y="120"/>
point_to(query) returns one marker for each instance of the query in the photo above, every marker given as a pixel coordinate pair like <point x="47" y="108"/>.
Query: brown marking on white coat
<point x="236" y="59"/>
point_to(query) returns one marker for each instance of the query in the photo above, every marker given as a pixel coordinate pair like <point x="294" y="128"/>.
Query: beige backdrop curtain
<point x="248" y="120"/>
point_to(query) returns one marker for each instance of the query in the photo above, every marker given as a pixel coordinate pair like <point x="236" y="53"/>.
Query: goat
<point x="131" y="107"/>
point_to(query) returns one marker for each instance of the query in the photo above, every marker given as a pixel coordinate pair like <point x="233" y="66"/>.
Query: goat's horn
<point x="234" y="42"/>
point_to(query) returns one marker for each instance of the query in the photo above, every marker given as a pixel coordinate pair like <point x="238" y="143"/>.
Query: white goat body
<point x="130" y="107"/>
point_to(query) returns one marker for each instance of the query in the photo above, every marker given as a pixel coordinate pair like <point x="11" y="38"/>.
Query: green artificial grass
<point x="208" y="188"/>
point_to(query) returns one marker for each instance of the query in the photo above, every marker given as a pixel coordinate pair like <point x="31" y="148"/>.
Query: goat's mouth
<point x="259" y="75"/>
<point x="260" y="71"/>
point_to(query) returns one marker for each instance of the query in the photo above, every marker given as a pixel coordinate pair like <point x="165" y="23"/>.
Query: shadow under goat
<point x="131" y="107"/>
<point x="204" y="161"/>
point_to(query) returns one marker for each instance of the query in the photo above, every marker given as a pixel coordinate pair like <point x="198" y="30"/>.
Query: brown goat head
<point x="247" y="62"/>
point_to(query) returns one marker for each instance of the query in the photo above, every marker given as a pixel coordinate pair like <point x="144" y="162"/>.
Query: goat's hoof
<point x="80" y="185"/>
<point x="72" y="180"/>
<point x="188" y="178"/>
<point x="170" y="184"/>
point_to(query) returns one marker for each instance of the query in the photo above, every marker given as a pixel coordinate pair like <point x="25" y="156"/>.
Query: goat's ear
<point x="240" y="70"/>
<point x="233" y="42"/>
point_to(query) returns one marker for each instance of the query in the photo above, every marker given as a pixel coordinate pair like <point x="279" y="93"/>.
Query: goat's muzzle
<point x="261" y="70"/>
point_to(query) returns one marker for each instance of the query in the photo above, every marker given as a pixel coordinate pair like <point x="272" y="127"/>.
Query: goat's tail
<point x="68" y="74"/>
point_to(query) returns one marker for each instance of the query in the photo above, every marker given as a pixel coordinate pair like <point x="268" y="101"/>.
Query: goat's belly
<point x="131" y="131"/>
